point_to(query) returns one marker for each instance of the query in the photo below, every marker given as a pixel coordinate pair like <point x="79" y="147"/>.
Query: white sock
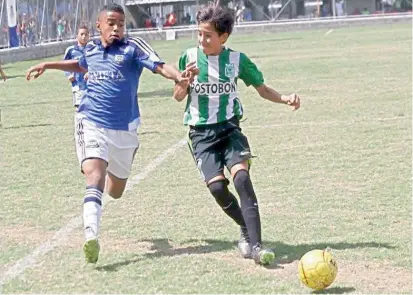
<point x="92" y="211"/>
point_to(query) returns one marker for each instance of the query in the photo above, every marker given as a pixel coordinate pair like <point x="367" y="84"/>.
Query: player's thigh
<point x="208" y="158"/>
<point x="123" y="146"/>
<point x="92" y="150"/>
<point x="91" y="141"/>
<point x="237" y="152"/>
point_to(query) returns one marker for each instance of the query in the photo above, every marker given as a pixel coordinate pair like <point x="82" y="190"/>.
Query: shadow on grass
<point x="68" y="101"/>
<point x="9" y="77"/>
<point x="156" y="93"/>
<point x="115" y="266"/>
<point x="27" y="126"/>
<point x="285" y="253"/>
<point x="148" y="132"/>
<point x="335" y="290"/>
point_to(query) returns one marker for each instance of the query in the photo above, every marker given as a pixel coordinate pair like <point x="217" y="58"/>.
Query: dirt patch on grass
<point x="23" y="235"/>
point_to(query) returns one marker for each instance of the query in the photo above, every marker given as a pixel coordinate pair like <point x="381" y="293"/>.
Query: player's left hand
<point x="294" y="101"/>
<point x="86" y="76"/>
<point x="38" y="69"/>
<point x="190" y="72"/>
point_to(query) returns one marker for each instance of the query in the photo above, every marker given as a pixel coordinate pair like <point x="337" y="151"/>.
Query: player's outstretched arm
<point x="65" y="65"/>
<point x="181" y="90"/>
<point x="169" y="72"/>
<point x="3" y="75"/>
<point x="172" y="73"/>
<point x="272" y="95"/>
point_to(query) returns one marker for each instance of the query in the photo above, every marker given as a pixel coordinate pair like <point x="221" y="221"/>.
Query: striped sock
<point x="92" y="211"/>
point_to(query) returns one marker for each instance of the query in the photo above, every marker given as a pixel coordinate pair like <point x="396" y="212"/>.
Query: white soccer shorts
<point x="77" y="96"/>
<point x="116" y="147"/>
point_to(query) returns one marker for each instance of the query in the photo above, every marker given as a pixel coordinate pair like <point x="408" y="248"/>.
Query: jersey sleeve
<point x="145" y="55"/>
<point x="83" y="62"/>
<point x="68" y="56"/>
<point x="249" y="73"/>
<point x="182" y="62"/>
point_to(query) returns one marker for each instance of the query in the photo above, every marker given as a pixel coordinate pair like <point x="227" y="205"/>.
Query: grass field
<point x="336" y="173"/>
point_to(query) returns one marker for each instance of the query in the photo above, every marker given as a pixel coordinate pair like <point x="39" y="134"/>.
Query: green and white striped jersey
<point x="213" y="97"/>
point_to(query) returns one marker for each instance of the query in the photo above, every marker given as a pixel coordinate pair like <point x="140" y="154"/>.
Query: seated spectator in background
<point x="148" y="23"/>
<point x="170" y="19"/>
<point x="365" y="11"/>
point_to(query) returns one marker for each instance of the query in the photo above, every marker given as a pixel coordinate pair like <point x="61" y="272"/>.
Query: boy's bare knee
<point x="94" y="177"/>
<point x="115" y="195"/>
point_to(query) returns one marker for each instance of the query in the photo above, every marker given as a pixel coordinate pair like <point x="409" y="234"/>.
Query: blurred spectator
<point x="171" y="19"/>
<point x="239" y="14"/>
<point x="148" y="23"/>
<point x="60" y="30"/>
<point x="31" y="32"/>
<point x="158" y="21"/>
<point x="339" y="7"/>
<point x="365" y="11"/>
<point x="23" y="31"/>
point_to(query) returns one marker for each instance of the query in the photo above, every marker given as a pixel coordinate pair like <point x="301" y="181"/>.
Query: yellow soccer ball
<point x="317" y="269"/>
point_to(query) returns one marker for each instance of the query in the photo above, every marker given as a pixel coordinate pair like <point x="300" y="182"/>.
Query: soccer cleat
<point x="91" y="249"/>
<point x="243" y="243"/>
<point x="263" y="256"/>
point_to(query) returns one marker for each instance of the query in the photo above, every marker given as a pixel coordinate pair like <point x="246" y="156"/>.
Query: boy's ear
<point x="224" y="38"/>
<point x="98" y="25"/>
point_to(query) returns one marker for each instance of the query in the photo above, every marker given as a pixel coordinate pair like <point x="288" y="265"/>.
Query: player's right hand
<point x="71" y="78"/>
<point x="38" y="69"/>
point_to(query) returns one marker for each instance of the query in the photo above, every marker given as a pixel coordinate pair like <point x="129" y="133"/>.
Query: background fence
<point x="49" y="20"/>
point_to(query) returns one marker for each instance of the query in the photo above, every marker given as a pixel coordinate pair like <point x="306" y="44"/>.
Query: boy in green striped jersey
<point x="213" y="111"/>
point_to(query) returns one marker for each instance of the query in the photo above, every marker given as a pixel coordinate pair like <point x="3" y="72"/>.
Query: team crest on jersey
<point x="230" y="70"/>
<point x="119" y="58"/>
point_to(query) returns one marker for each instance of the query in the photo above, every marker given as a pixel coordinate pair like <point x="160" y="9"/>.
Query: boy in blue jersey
<point x="108" y="115"/>
<point x="75" y="52"/>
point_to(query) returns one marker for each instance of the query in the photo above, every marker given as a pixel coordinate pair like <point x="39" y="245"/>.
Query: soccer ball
<point x="317" y="269"/>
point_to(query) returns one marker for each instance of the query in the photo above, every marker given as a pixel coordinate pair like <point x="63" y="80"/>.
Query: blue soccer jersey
<point x="111" y="96"/>
<point x="75" y="52"/>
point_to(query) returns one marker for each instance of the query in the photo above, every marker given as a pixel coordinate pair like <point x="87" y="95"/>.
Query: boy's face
<point x="83" y="36"/>
<point x="111" y="26"/>
<point x="209" y="39"/>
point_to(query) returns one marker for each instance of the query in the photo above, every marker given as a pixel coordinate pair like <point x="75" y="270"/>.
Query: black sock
<point x="249" y="206"/>
<point x="227" y="201"/>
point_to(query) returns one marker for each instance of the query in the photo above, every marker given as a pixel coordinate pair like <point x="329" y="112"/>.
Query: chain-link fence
<point x="40" y="21"/>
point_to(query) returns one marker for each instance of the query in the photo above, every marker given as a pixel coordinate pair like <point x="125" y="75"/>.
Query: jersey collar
<point x="119" y="43"/>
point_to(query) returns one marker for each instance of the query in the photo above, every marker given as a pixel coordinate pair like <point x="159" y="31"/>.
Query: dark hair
<point x="222" y="18"/>
<point x="82" y="27"/>
<point x="113" y="7"/>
